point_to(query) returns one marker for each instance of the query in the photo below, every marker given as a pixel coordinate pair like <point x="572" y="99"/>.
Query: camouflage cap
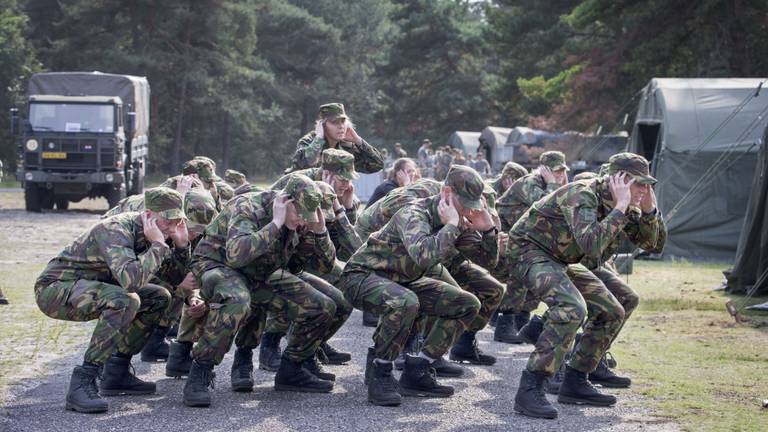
<point x="200" y="208"/>
<point x="306" y="196"/>
<point x="207" y="159"/>
<point x="235" y="178"/>
<point x="166" y="202"/>
<point x="555" y="160"/>
<point x="489" y="194"/>
<point x="326" y="204"/>
<point x="332" y="111"/>
<point x="247" y="188"/>
<point x="201" y="167"/>
<point x="586" y="175"/>
<point x="340" y="162"/>
<point x="633" y="164"/>
<point x="467" y="184"/>
<point x="513" y="170"/>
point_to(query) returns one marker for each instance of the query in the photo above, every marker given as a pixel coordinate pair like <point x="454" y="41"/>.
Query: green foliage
<point x="542" y="93"/>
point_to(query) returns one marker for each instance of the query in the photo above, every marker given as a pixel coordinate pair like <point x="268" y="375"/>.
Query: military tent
<point x="493" y="141"/>
<point x="467" y="141"/>
<point x="701" y="136"/>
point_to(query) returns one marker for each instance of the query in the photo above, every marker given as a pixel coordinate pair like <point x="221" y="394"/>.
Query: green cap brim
<point x="172" y="214"/>
<point x="561" y="166"/>
<point x="309" y="216"/>
<point x="474" y="204"/>
<point x="349" y="175"/>
<point x="645" y="179"/>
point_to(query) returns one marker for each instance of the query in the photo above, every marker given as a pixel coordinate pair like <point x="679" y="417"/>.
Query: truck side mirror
<point x="14" y="121"/>
<point x="130" y="122"/>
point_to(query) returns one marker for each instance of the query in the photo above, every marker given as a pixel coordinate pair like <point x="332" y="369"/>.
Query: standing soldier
<point x="397" y="274"/>
<point x="443" y="162"/>
<point x="399" y="152"/>
<point x="104" y="275"/>
<point x="334" y="130"/>
<point x="577" y="222"/>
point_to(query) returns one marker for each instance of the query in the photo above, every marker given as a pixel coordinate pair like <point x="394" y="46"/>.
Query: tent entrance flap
<point x="648" y="137"/>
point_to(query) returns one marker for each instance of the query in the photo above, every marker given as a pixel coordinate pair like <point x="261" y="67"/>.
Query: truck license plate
<point x="54" y="155"/>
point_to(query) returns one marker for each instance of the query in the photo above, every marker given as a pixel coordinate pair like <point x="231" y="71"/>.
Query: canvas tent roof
<point x="467" y="141"/>
<point x="701" y="136"/>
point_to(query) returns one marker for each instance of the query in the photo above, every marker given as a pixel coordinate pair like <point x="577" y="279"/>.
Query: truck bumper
<point x="111" y="177"/>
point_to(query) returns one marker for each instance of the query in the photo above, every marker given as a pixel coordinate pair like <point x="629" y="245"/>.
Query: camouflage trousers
<point x="623" y="292"/>
<point x="478" y="281"/>
<point x="172" y="313"/>
<point x="230" y="301"/>
<point x="278" y="322"/>
<point x="575" y="297"/>
<point x="276" y="315"/>
<point x="399" y="305"/>
<point x="516" y="298"/>
<point x="125" y="320"/>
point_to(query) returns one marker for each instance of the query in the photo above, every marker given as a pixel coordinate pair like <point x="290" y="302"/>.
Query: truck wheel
<point x="62" y="203"/>
<point x="47" y="199"/>
<point x="32" y="197"/>
<point x="114" y="195"/>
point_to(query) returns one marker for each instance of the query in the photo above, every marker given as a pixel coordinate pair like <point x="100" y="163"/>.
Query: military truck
<point x="86" y="135"/>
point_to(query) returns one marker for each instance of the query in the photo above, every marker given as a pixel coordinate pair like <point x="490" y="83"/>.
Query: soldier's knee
<point x="630" y="302"/>
<point x="126" y="306"/>
<point x="408" y="303"/>
<point x="343" y="307"/>
<point x="616" y="312"/>
<point x="568" y="313"/>
<point x="328" y="308"/>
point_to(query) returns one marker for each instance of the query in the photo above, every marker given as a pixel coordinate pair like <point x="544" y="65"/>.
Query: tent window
<point x="649" y="138"/>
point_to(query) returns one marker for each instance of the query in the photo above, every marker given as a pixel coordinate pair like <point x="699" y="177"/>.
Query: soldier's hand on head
<point x="319" y="226"/>
<point x="319" y="129"/>
<point x="503" y="240"/>
<point x="189" y="284"/>
<point x="279" y="209"/>
<point x="648" y="202"/>
<point x="151" y="231"/>
<point x="197" y="307"/>
<point x="447" y="211"/>
<point x="348" y="197"/>
<point x="480" y="220"/>
<point x="328" y="177"/>
<point x="352" y="136"/>
<point x="180" y="235"/>
<point x="186" y="183"/>
<point x="547" y="175"/>
<point x="621" y="190"/>
<point x="403" y="179"/>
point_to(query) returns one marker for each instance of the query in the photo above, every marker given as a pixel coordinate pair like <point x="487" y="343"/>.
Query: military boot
<point x="576" y="389"/>
<point x="418" y="379"/>
<point x="412" y="346"/>
<point x="179" y="359"/>
<point x="291" y="376"/>
<point x="156" y="348"/>
<point x="369" y="365"/>
<point x="446" y="369"/>
<point x="312" y="365"/>
<point x="83" y="394"/>
<point x="494" y="319"/>
<point x="269" y="352"/>
<point x="466" y="350"/>
<point x="201" y="377"/>
<point x="119" y="378"/>
<point x="241" y="375"/>
<point x="604" y="376"/>
<point x="532" y="330"/>
<point x="370" y="319"/>
<point x="506" y="330"/>
<point x="555" y="381"/>
<point x="329" y="355"/>
<point x="530" y="399"/>
<point x="383" y="387"/>
<point x="173" y="332"/>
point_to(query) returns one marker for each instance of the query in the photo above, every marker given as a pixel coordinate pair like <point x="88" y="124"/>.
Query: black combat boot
<point x="370" y="319"/>
<point x="465" y="350"/>
<point x="291" y="376"/>
<point x="532" y="330"/>
<point x="179" y="359"/>
<point x="412" y="347"/>
<point x="494" y="319"/>
<point x="554" y="382"/>
<point x="506" y="330"/>
<point x="418" y="379"/>
<point x="312" y="365"/>
<point x="241" y="375"/>
<point x="201" y="377"/>
<point x="369" y="365"/>
<point x="530" y="399"/>
<point x="604" y="376"/>
<point x="329" y="355"/>
<point x="119" y="378"/>
<point x="156" y="348"/>
<point x="446" y="369"/>
<point x="382" y="389"/>
<point x="83" y="394"/>
<point x="576" y="389"/>
<point x="269" y="352"/>
<point x="173" y="332"/>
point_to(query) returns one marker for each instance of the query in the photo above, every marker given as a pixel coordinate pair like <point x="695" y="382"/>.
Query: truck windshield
<point x="62" y="117"/>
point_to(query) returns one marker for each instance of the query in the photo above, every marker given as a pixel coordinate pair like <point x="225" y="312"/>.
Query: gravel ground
<point x="483" y="400"/>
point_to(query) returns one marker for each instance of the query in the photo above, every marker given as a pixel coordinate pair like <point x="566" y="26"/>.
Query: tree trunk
<point x="176" y="151"/>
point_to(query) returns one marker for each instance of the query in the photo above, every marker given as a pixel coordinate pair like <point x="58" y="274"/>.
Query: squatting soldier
<point x="334" y="130"/>
<point x="203" y="170"/>
<point x="550" y="175"/>
<point x="248" y="261"/>
<point x="576" y="223"/>
<point x="396" y="274"/>
<point x="234" y="178"/>
<point x="104" y="275"/>
<point x="511" y="172"/>
<point x="226" y="192"/>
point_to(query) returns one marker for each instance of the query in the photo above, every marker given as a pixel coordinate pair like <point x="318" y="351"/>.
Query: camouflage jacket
<point x="226" y="192"/>
<point x="412" y="242"/>
<point x="575" y="224"/>
<point x="520" y="196"/>
<point x="310" y="148"/>
<point x="497" y="185"/>
<point x="316" y="174"/>
<point x="343" y="236"/>
<point x="112" y="251"/>
<point x="243" y="237"/>
<point x="374" y="217"/>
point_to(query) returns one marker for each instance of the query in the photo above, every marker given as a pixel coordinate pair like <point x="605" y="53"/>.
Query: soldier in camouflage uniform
<point x="514" y="311"/>
<point x="398" y="274"/>
<point x="105" y="275"/>
<point x="234" y="178"/>
<point x="511" y="172"/>
<point x="575" y="224"/>
<point x="203" y="171"/>
<point x="443" y="162"/>
<point x="334" y="130"/>
<point x="248" y="262"/>
<point x="226" y="192"/>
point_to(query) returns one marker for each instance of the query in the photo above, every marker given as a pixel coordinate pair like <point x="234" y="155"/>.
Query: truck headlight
<point x="28" y="176"/>
<point x="32" y="145"/>
<point x="109" y="177"/>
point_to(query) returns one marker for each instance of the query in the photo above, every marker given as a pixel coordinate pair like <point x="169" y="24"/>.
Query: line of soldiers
<point x="433" y="262"/>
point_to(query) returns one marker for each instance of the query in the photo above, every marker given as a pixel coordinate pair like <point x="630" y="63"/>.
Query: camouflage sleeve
<point x="352" y="213"/>
<point x="425" y="247"/>
<point x="590" y="234"/>
<point x="648" y="232"/>
<point x="308" y="152"/>
<point x="246" y="241"/>
<point x="116" y="246"/>
<point x="316" y="252"/>
<point x="280" y="183"/>
<point x="173" y="271"/>
<point x="347" y="237"/>
<point x="505" y="210"/>
<point x="367" y="158"/>
<point x="480" y="248"/>
<point x="530" y="192"/>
